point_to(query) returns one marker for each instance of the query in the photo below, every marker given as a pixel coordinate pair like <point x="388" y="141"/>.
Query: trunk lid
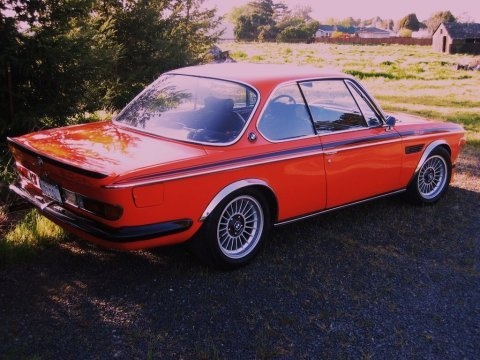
<point x="102" y="149"/>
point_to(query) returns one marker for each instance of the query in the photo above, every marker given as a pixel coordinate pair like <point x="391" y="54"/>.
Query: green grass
<point x="31" y="233"/>
<point x="430" y="101"/>
<point x="412" y="79"/>
<point x="369" y="74"/>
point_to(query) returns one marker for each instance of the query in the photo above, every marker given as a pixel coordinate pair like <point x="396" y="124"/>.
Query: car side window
<point x="286" y="115"/>
<point x="332" y="106"/>
<point x="369" y="114"/>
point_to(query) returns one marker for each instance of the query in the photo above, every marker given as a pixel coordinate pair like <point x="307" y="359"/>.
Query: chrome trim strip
<point x="213" y="168"/>
<point x="360" y="142"/>
<point x="227" y="191"/>
<point x="340" y="149"/>
<point x="289" y="221"/>
<point x="430" y="132"/>
<point x="261" y="159"/>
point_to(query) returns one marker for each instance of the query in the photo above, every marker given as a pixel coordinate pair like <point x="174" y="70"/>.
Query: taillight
<point x="107" y="211"/>
<point x="95" y="207"/>
<point x="98" y="208"/>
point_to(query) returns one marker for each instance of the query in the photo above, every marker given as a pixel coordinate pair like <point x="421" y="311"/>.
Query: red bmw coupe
<point x="218" y="154"/>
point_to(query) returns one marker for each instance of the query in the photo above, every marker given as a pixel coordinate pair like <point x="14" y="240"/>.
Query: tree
<point x="244" y="29"/>
<point x="437" y="18"/>
<point x="151" y="37"/>
<point x="234" y="15"/>
<point x="302" y="12"/>
<point x="348" y="22"/>
<point x="297" y="25"/>
<point x="258" y="22"/>
<point x="297" y="29"/>
<point x="47" y="62"/>
<point x="9" y="38"/>
<point x="409" y="22"/>
<point x="61" y="58"/>
<point x="391" y="24"/>
<point x="406" y="33"/>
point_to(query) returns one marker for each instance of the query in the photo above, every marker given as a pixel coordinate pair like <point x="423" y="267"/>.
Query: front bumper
<point x="126" y="234"/>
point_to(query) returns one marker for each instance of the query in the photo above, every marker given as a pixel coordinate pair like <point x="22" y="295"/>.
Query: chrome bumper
<point x="61" y="215"/>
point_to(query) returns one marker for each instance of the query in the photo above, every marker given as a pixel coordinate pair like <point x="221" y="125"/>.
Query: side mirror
<point x="390" y="122"/>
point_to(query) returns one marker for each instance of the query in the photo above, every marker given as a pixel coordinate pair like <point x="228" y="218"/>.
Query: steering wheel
<point x="288" y="97"/>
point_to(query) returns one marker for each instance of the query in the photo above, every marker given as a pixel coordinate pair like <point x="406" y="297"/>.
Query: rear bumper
<point x="97" y="230"/>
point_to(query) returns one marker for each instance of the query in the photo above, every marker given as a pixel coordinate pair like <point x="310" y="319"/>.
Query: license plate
<point x="51" y="190"/>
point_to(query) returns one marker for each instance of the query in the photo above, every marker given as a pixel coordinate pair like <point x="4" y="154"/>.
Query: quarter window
<point x="369" y="114"/>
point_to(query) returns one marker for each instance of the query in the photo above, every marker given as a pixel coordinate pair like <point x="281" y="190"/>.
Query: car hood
<point x="106" y="148"/>
<point x="421" y="124"/>
<point x="405" y="119"/>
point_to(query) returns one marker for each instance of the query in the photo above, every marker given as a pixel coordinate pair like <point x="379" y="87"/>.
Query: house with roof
<point x="454" y="38"/>
<point x="328" y="30"/>
<point x="362" y="32"/>
<point x="325" y="31"/>
<point x="372" y="33"/>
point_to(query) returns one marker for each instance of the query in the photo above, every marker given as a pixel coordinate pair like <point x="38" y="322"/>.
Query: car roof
<point x="257" y="74"/>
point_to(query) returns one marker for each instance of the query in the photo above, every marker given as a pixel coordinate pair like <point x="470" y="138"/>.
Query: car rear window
<point x="190" y="108"/>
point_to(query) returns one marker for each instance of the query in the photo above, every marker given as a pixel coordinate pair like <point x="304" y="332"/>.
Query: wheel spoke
<point x="240" y="227"/>
<point x="432" y="177"/>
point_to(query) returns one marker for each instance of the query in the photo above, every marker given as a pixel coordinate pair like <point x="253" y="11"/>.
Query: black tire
<point x="235" y="231"/>
<point x="432" y="179"/>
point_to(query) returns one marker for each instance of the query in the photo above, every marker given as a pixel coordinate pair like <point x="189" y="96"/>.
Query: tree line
<point x="266" y="20"/>
<point x="61" y="59"/>
<point x="408" y="22"/>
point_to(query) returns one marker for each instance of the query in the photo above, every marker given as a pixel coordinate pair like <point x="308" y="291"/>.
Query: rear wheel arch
<point x="235" y="224"/>
<point x="257" y="184"/>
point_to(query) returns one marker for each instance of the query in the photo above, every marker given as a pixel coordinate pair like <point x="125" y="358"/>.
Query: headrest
<point x="213" y="103"/>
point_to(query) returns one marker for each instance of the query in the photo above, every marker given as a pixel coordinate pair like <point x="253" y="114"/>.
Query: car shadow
<point x="383" y="278"/>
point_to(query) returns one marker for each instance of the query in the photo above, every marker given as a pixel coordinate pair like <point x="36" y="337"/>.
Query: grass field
<point x="411" y="79"/>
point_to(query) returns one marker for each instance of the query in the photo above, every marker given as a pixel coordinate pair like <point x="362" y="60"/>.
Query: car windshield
<point x="190" y="108"/>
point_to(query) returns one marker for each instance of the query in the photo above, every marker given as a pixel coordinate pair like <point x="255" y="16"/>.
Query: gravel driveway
<point x="382" y="280"/>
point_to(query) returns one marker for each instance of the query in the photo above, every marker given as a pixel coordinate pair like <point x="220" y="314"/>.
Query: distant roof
<point x="463" y="30"/>
<point x="372" y="30"/>
<point x="327" y="27"/>
<point x="347" y="30"/>
<point x="340" y="28"/>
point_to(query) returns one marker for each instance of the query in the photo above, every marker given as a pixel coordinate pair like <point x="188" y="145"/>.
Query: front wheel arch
<point x="432" y="176"/>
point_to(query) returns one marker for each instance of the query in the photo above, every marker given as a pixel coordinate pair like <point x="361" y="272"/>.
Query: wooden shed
<point x="454" y="38"/>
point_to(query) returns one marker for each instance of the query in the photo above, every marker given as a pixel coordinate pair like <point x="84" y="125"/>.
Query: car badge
<point x="40" y="161"/>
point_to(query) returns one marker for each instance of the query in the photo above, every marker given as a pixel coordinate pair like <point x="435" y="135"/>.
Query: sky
<point x="468" y="10"/>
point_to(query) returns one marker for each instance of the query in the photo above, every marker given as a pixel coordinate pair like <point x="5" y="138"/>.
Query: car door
<point x="362" y="157"/>
<point x="298" y="175"/>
